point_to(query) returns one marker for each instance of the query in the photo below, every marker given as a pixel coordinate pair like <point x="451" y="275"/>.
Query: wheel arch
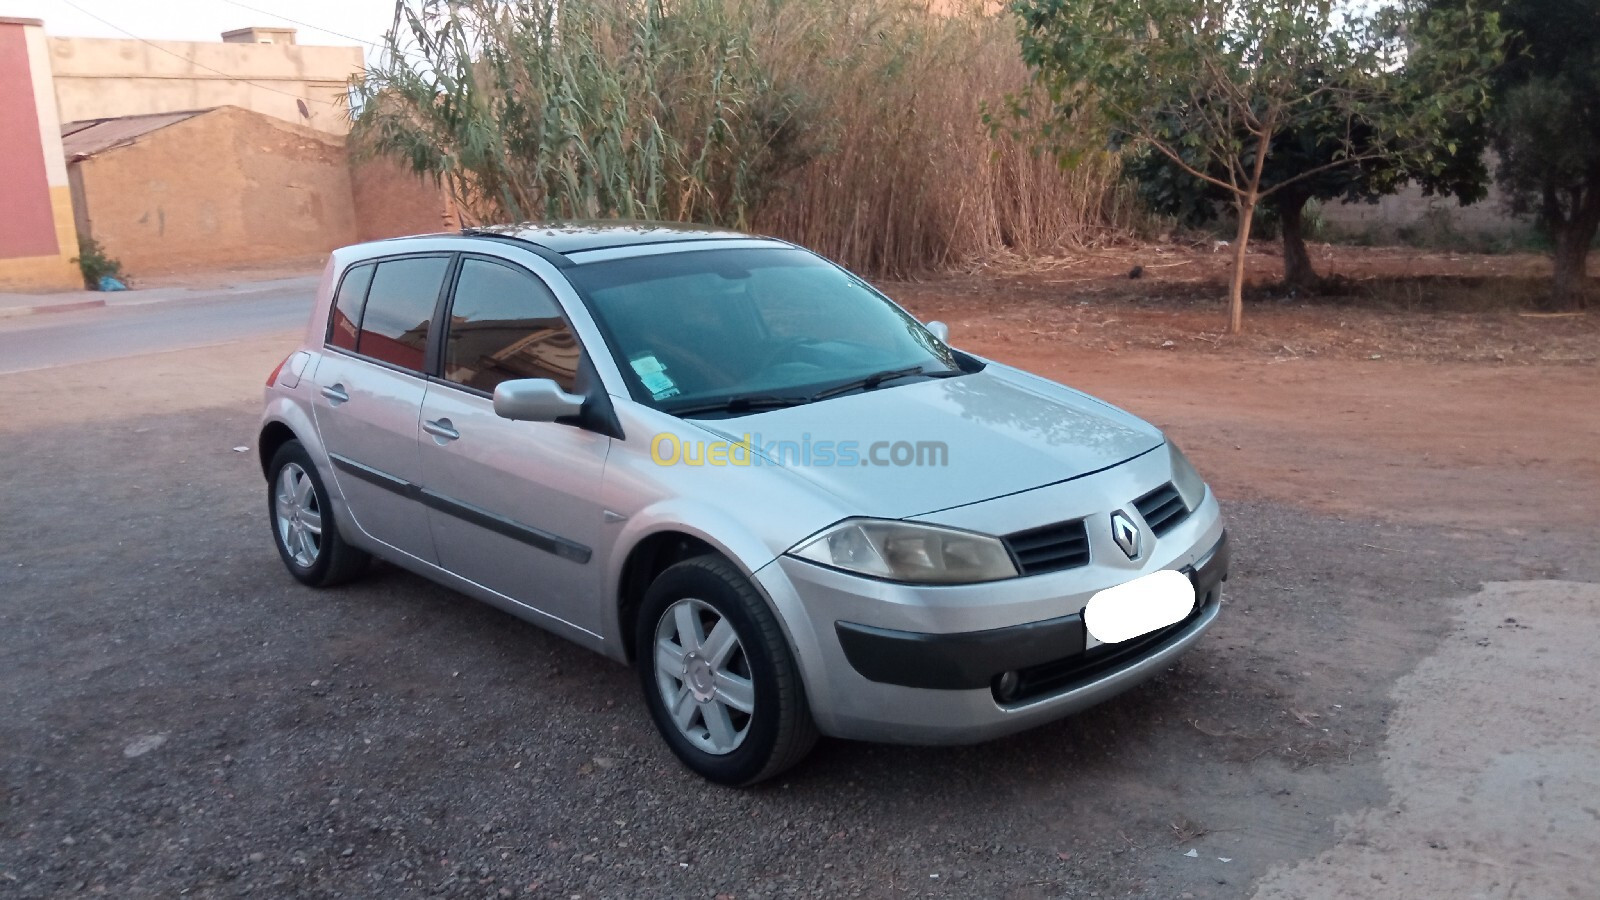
<point x="274" y="434"/>
<point x="648" y="558"/>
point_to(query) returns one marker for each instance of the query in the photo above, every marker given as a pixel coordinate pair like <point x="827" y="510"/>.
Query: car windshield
<point x="729" y="331"/>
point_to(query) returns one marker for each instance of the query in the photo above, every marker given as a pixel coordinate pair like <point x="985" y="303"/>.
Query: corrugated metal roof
<point x="91" y="136"/>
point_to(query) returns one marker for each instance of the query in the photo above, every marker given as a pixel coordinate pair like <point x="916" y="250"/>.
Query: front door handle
<point x="443" y="430"/>
<point x="335" y="394"/>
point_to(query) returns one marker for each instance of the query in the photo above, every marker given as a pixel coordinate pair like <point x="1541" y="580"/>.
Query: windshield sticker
<point x="655" y="378"/>
<point x="647" y="365"/>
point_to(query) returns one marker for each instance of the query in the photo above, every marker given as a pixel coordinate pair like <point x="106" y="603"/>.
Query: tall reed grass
<point x="851" y="126"/>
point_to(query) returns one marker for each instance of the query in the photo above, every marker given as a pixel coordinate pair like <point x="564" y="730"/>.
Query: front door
<point x="369" y="393"/>
<point x="514" y="506"/>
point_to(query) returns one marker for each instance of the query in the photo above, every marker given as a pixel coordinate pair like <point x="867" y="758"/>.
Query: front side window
<point x="399" y="311"/>
<point x="700" y="328"/>
<point x="505" y="324"/>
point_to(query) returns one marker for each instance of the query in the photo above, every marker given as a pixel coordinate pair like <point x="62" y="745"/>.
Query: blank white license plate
<point x="1138" y="607"/>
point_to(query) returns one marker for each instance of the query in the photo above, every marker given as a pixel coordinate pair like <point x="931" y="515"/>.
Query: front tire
<point x="303" y="526"/>
<point x="718" y="676"/>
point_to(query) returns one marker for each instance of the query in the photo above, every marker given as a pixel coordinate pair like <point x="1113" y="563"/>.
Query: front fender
<point x="731" y="538"/>
<point x="741" y="545"/>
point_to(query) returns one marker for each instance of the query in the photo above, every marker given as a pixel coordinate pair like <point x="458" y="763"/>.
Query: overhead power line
<point x="199" y="65"/>
<point x="376" y="45"/>
<point x="339" y="34"/>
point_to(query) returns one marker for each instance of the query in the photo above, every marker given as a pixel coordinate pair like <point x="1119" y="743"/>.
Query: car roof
<point x="558" y="241"/>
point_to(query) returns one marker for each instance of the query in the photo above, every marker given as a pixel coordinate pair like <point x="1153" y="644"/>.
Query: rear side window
<point x="346" y="319"/>
<point x="399" y="310"/>
<point x="505" y="324"/>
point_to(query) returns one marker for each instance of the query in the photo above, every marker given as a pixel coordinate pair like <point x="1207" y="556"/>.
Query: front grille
<point x="1064" y="545"/>
<point x="1162" y="508"/>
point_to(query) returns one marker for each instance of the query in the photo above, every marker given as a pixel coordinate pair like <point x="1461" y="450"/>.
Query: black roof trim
<point x="563" y="260"/>
<point x="671" y="240"/>
<point x="539" y="250"/>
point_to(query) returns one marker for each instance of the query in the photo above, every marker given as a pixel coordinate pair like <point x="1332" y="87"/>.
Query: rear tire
<point x="303" y="525"/>
<point x="718" y="676"/>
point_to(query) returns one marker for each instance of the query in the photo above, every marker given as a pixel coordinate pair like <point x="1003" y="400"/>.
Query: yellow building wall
<point x="101" y="78"/>
<point x="220" y="189"/>
<point x="392" y="201"/>
<point x="58" y="272"/>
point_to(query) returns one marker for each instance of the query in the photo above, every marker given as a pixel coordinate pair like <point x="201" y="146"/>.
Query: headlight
<point x="900" y="551"/>
<point x="1191" y="487"/>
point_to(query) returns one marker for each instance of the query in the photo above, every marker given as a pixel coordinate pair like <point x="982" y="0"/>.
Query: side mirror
<point x="534" y="400"/>
<point x="939" y="330"/>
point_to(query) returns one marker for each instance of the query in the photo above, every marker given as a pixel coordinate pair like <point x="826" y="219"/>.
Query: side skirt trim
<point x="527" y="534"/>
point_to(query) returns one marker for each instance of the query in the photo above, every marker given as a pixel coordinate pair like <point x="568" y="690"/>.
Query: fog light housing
<point x="1006" y="685"/>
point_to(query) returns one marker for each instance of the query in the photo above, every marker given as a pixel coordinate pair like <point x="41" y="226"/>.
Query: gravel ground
<point x="182" y="718"/>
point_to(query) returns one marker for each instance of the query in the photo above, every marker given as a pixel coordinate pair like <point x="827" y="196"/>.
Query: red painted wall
<point x="27" y="225"/>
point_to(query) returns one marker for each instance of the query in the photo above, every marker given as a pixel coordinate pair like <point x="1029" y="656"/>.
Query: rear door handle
<point x="443" y="430"/>
<point x="335" y="393"/>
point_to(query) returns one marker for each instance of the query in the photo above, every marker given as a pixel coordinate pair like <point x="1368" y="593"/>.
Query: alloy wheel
<point x="299" y="516"/>
<point x="704" y="676"/>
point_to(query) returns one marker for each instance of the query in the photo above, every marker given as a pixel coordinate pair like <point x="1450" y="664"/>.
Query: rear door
<point x="515" y="506"/>
<point x="370" y="387"/>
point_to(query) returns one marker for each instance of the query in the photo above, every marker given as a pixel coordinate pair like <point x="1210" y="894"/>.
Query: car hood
<point x="979" y="436"/>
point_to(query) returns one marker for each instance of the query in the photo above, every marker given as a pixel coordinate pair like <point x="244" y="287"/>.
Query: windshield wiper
<point x="740" y="405"/>
<point x="878" y="378"/>
<point x="737" y="405"/>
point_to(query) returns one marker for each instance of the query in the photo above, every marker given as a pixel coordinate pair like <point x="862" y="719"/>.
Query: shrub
<point x="851" y="126"/>
<point x="94" y="263"/>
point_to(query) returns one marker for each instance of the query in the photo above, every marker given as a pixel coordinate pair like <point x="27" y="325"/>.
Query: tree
<point x="1238" y="75"/>
<point x="1545" y="125"/>
<point x="1169" y="190"/>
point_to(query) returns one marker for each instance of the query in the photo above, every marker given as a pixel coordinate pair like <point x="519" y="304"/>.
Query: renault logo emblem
<point x="1125" y="533"/>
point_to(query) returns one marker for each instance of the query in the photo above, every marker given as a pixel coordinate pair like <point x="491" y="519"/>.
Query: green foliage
<point x="1170" y="190"/>
<point x="1545" y="124"/>
<point x="585" y="108"/>
<point x="850" y="126"/>
<point x="1218" y="88"/>
<point x="1534" y="125"/>
<point x="1455" y="168"/>
<point x="94" y="263"/>
<point x="1547" y="113"/>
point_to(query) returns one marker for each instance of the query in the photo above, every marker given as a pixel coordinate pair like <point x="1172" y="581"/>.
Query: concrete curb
<point x="10" y="307"/>
<point x="74" y="306"/>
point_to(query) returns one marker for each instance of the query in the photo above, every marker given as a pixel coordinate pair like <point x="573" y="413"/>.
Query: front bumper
<point x="892" y="663"/>
<point x="1048" y="657"/>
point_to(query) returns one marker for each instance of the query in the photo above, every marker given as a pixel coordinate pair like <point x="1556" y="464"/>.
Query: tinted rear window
<point x="399" y="311"/>
<point x="347" y="307"/>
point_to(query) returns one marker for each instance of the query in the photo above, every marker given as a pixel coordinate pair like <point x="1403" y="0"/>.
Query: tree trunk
<point x="1298" y="272"/>
<point x="1572" y="267"/>
<point x="1245" y="202"/>
<point x="1241" y="244"/>
<point x="1573" y="240"/>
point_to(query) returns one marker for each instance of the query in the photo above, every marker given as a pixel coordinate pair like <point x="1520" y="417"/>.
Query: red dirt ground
<point x="1423" y="388"/>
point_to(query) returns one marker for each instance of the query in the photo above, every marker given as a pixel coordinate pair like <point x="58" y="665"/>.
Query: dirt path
<point x="1492" y="761"/>
<point x="1460" y="445"/>
<point x="153" y="385"/>
<point x="1361" y="491"/>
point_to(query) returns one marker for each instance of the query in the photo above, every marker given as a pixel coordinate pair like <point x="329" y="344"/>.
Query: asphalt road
<point x="122" y="330"/>
<point x="182" y="718"/>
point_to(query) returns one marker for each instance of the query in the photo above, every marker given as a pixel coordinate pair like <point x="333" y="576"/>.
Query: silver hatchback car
<point x="742" y="470"/>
